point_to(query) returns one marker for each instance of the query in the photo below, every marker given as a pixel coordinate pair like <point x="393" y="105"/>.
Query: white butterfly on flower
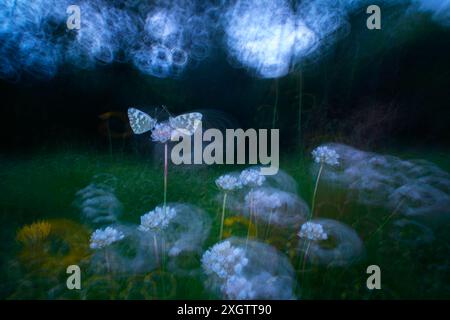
<point x="185" y="124"/>
<point x="140" y="122"/>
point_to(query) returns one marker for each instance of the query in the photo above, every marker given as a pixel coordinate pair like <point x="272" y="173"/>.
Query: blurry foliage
<point x="39" y="271"/>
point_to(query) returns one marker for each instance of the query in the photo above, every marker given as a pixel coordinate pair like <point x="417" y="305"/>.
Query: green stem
<point x="275" y="106"/>
<point x="250" y="218"/>
<point x="108" y="265"/>
<point x="266" y="234"/>
<point x="315" y="191"/>
<point x="223" y="215"/>
<point x="165" y="175"/>
<point x="300" y="101"/>
<point x="305" y="256"/>
<point x="155" y="247"/>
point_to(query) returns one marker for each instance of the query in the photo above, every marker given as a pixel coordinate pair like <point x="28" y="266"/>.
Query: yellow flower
<point x="35" y="233"/>
<point x="236" y="225"/>
<point x="37" y="239"/>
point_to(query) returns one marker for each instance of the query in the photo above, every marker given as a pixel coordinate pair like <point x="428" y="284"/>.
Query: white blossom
<point x="174" y="251"/>
<point x="252" y="178"/>
<point x="263" y="199"/>
<point x="325" y="155"/>
<point x="224" y="260"/>
<point x="312" y="231"/>
<point x="162" y="132"/>
<point x="158" y="219"/>
<point x="228" y="182"/>
<point x="101" y="238"/>
<point x="238" y="288"/>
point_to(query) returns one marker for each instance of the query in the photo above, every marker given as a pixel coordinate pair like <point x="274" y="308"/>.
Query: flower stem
<point x="275" y="106"/>
<point x="155" y="247"/>
<point x="223" y="214"/>
<point x="165" y="175"/>
<point x="305" y="256"/>
<point x="310" y="217"/>
<point x="315" y="191"/>
<point x="250" y="218"/>
<point x="268" y="225"/>
<point x="163" y="256"/>
<point x="300" y="96"/>
<point x="108" y="264"/>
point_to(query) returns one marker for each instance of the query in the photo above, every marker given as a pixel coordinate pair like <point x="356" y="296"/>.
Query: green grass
<point x="43" y="187"/>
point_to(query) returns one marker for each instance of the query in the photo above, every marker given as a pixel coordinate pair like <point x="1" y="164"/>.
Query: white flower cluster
<point x="326" y="155"/>
<point x="239" y="288"/>
<point x="245" y="270"/>
<point x="228" y="182"/>
<point x="101" y="238"/>
<point x="252" y="178"/>
<point x="312" y="231"/>
<point x="262" y="199"/>
<point x="224" y="260"/>
<point x="158" y="219"/>
<point x="162" y="132"/>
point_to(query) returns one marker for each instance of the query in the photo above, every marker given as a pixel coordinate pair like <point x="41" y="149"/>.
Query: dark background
<point x="371" y="88"/>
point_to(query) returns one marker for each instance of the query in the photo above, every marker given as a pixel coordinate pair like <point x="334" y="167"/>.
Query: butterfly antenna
<point x="167" y="110"/>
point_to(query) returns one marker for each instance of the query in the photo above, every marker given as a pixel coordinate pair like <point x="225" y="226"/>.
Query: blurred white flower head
<point x="102" y="238"/>
<point x="238" y="288"/>
<point x="252" y="178"/>
<point x="312" y="231"/>
<point x="228" y="182"/>
<point x="174" y="251"/>
<point x="158" y="219"/>
<point x="162" y="132"/>
<point x="325" y="155"/>
<point x="263" y="199"/>
<point x="224" y="260"/>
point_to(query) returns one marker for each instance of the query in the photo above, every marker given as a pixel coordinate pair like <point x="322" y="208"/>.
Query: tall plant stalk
<point x="166" y="169"/>
<point x="223" y="214"/>
<point x="266" y="234"/>
<point x="300" y="102"/>
<point x="315" y="191"/>
<point x="250" y="218"/>
<point x="155" y="248"/>
<point x="275" y="106"/>
<point x="319" y="174"/>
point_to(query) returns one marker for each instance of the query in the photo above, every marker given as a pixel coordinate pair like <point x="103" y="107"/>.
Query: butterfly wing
<point x="187" y="123"/>
<point x="140" y="122"/>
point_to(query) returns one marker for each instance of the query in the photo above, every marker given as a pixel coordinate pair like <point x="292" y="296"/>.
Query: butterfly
<point x="186" y="124"/>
